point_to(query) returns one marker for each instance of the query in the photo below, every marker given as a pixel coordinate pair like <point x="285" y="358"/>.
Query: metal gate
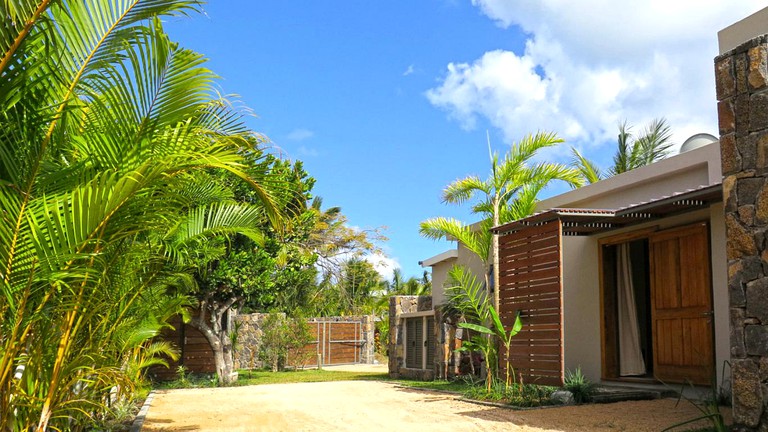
<point x="336" y="342"/>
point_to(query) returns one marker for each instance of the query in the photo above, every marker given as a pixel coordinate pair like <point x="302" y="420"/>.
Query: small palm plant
<point x="468" y="297"/>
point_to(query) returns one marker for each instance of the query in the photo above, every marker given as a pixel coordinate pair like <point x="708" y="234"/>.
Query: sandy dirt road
<point x="380" y="406"/>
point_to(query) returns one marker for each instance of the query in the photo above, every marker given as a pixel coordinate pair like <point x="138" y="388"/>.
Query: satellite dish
<point x="696" y="141"/>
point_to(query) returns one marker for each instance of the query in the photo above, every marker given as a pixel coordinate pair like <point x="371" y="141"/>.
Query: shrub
<point x="297" y="337"/>
<point x="580" y="387"/>
<point x="284" y="340"/>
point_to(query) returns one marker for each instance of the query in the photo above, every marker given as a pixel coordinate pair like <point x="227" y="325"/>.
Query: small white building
<point x="625" y="278"/>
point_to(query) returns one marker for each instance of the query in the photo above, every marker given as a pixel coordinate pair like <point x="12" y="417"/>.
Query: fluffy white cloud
<point x="591" y="64"/>
<point x="383" y="264"/>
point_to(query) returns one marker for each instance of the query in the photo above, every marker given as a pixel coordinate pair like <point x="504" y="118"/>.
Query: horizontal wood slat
<point x="526" y="233"/>
<point x="530" y="284"/>
<point x="538" y="247"/>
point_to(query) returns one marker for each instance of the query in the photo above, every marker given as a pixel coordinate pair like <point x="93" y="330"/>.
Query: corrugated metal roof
<point x="578" y="221"/>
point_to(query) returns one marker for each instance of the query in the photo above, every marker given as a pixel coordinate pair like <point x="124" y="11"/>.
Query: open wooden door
<point x="681" y="305"/>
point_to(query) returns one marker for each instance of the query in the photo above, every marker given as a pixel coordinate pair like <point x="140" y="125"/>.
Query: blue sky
<point x="386" y="102"/>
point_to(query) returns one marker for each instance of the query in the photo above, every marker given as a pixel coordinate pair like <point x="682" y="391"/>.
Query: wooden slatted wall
<point x="196" y="353"/>
<point x="530" y="280"/>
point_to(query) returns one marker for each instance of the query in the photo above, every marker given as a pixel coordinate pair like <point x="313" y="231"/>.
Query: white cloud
<point x="383" y="264"/>
<point x="307" y="151"/>
<point x="587" y="67"/>
<point x="300" y="134"/>
<point x="409" y="70"/>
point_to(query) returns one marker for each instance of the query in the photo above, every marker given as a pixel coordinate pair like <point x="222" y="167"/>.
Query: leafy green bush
<point x="284" y="339"/>
<point x="580" y="387"/>
<point x="297" y="338"/>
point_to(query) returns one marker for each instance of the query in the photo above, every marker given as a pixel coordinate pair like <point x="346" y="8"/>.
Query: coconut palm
<point x="652" y="145"/>
<point x="509" y="193"/>
<point x="102" y="122"/>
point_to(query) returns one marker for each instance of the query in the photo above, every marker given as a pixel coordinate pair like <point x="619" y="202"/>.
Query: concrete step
<point x="604" y="394"/>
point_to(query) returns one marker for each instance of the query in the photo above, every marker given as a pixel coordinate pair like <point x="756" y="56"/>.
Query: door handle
<point x="708" y="313"/>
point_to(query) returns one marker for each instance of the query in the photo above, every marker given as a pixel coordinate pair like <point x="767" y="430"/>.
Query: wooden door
<point x="681" y="305"/>
<point x="414" y="339"/>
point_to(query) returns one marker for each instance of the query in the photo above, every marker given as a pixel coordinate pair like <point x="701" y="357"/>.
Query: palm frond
<point x="462" y="190"/>
<point x="451" y="229"/>
<point x="588" y="169"/>
<point x="466" y="294"/>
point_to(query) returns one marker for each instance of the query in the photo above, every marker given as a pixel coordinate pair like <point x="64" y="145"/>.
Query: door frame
<point x="424" y="336"/>
<point x="608" y="341"/>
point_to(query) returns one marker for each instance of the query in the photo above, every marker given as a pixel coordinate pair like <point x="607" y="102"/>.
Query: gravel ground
<point x="381" y="406"/>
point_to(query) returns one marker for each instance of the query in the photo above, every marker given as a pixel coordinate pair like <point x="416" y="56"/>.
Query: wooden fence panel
<point x="531" y="283"/>
<point x="336" y="342"/>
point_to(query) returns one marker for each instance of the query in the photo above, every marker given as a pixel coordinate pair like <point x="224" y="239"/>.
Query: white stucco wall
<point x="581" y="306"/>
<point x="439" y="276"/>
<point x="672" y="175"/>
<point x="442" y="263"/>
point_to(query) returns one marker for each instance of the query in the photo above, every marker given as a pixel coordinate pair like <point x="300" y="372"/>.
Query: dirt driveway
<point x="380" y="406"/>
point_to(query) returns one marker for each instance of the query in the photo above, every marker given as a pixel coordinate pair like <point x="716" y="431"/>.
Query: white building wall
<point x="581" y="306"/>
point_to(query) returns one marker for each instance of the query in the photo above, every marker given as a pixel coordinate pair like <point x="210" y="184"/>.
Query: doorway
<point x="657" y="306"/>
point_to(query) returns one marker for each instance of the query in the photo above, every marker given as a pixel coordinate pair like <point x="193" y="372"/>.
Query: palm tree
<point x="103" y="120"/>
<point x="651" y="146"/>
<point x="509" y="193"/>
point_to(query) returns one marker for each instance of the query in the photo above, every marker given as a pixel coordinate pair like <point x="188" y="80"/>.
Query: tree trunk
<point x="217" y="336"/>
<point x="495" y="256"/>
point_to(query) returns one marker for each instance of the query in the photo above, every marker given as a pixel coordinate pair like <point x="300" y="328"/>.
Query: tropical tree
<point x="248" y="269"/>
<point x="411" y="286"/>
<point x="509" y="193"/>
<point x="652" y="145"/>
<point x="104" y="126"/>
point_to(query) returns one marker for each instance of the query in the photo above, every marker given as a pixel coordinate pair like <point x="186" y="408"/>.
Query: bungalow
<point x="625" y="278"/>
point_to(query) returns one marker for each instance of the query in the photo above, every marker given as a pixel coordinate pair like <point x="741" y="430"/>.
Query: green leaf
<point x="476" y="327"/>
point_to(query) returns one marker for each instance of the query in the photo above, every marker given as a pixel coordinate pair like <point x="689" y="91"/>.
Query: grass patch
<point x="523" y="396"/>
<point x="528" y="395"/>
<point x="247" y="377"/>
<point x="459" y="387"/>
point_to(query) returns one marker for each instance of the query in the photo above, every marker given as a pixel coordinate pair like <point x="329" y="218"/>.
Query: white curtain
<point x="630" y="356"/>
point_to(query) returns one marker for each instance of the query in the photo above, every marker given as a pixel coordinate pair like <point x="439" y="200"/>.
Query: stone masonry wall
<point x="741" y="77"/>
<point x="399" y="305"/>
<point x="249" y="340"/>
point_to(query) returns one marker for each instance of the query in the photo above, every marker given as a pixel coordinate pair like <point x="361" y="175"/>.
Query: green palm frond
<point x="525" y="149"/>
<point x="447" y="229"/>
<point x="654" y="142"/>
<point x="217" y="219"/>
<point x="462" y="190"/>
<point x="652" y="145"/>
<point x="588" y="169"/>
<point x="466" y="294"/>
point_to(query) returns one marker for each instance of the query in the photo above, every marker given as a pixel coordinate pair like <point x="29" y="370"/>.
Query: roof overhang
<point x="450" y="254"/>
<point x="579" y="222"/>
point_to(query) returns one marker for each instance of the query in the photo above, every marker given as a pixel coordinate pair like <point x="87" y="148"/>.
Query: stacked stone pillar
<point x="742" y="92"/>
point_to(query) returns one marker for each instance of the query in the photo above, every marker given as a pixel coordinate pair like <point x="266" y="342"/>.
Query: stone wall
<point x="742" y="92"/>
<point x="249" y="340"/>
<point x="399" y="305"/>
<point x="447" y="343"/>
